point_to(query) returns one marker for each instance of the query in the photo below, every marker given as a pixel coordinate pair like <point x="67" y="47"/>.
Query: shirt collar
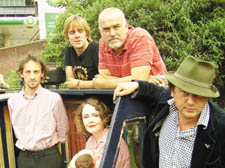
<point x="171" y="101"/>
<point x="103" y="137"/>
<point x="37" y="92"/>
<point x="204" y="116"/>
<point x="173" y="108"/>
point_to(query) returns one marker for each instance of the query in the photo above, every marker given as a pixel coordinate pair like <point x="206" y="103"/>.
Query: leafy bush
<point x="13" y="79"/>
<point x="179" y="27"/>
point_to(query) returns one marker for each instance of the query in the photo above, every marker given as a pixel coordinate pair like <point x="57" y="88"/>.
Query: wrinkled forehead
<point x="111" y="24"/>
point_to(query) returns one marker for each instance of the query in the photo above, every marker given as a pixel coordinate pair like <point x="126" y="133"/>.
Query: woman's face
<point x="92" y="121"/>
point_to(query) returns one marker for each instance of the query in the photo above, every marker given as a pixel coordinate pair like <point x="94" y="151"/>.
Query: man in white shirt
<point x="38" y="118"/>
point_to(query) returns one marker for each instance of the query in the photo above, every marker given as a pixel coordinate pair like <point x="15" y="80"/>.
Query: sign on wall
<point x="50" y="23"/>
<point x="48" y="11"/>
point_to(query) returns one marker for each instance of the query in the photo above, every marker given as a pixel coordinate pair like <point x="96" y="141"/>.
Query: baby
<point x="83" y="159"/>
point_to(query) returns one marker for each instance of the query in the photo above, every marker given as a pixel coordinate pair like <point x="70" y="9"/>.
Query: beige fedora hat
<point x="194" y="76"/>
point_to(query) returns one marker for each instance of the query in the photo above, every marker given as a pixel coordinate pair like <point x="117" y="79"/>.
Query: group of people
<point x="124" y="53"/>
<point x="185" y="129"/>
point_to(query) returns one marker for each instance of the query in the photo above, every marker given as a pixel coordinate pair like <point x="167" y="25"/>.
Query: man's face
<point x="77" y="37"/>
<point x="32" y="75"/>
<point x="113" y="30"/>
<point x="189" y="106"/>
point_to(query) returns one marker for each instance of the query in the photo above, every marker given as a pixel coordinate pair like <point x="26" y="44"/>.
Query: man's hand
<point x="125" y="88"/>
<point x="71" y="83"/>
<point x="157" y="80"/>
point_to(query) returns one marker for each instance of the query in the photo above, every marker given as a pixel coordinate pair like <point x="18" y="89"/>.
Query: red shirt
<point x="139" y="50"/>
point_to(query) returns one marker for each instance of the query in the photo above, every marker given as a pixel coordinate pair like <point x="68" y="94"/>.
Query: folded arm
<point x="73" y="83"/>
<point x="106" y="81"/>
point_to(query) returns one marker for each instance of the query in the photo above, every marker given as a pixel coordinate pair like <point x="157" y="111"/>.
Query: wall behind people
<point x="11" y="56"/>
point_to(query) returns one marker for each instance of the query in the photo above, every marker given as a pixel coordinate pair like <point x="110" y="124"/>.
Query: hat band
<point x="189" y="80"/>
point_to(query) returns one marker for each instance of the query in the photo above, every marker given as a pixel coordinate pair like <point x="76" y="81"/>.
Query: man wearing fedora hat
<point x="185" y="129"/>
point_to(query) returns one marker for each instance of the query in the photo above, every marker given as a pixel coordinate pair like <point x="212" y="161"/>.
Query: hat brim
<point x="191" y="88"/>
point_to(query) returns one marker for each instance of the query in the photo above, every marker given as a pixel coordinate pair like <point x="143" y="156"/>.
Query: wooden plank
<point x="67" y="151"/>
<point x="4" y="151"/>
<point x="2" y="162"/>
<point x="9" y="137"/>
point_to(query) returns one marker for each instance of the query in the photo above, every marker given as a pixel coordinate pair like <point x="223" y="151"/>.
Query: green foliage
<point x="13" y="79"/>
<point x="179" y="27"/>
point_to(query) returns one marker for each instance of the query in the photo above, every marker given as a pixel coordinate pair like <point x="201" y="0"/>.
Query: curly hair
<point x="104" y="113"/>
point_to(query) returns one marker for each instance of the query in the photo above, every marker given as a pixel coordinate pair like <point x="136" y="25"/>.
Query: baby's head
<point x="84" y="161"/>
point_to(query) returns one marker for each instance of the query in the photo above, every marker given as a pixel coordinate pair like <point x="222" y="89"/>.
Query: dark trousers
<point x="47" y="158"/>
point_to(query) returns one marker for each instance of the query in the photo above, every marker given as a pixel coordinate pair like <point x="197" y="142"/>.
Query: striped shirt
<point x="176" y="146"/>
<point x="139" y="50"/>
<point x="38" y="122"/>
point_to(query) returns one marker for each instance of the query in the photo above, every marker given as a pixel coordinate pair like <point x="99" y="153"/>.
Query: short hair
<point x="104" y="112"/>
<point x="35" y="59"/>
<point x="111" y="10"/>
<point x="79" y="22"/>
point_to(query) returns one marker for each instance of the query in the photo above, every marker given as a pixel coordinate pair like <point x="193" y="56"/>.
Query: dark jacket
<point x="209" y="147"/>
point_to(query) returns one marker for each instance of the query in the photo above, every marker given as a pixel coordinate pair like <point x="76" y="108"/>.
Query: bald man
<point x="125" y="53"/>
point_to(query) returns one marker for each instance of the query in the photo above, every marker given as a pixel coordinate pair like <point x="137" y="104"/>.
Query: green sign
<point x="50" y="23"/>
